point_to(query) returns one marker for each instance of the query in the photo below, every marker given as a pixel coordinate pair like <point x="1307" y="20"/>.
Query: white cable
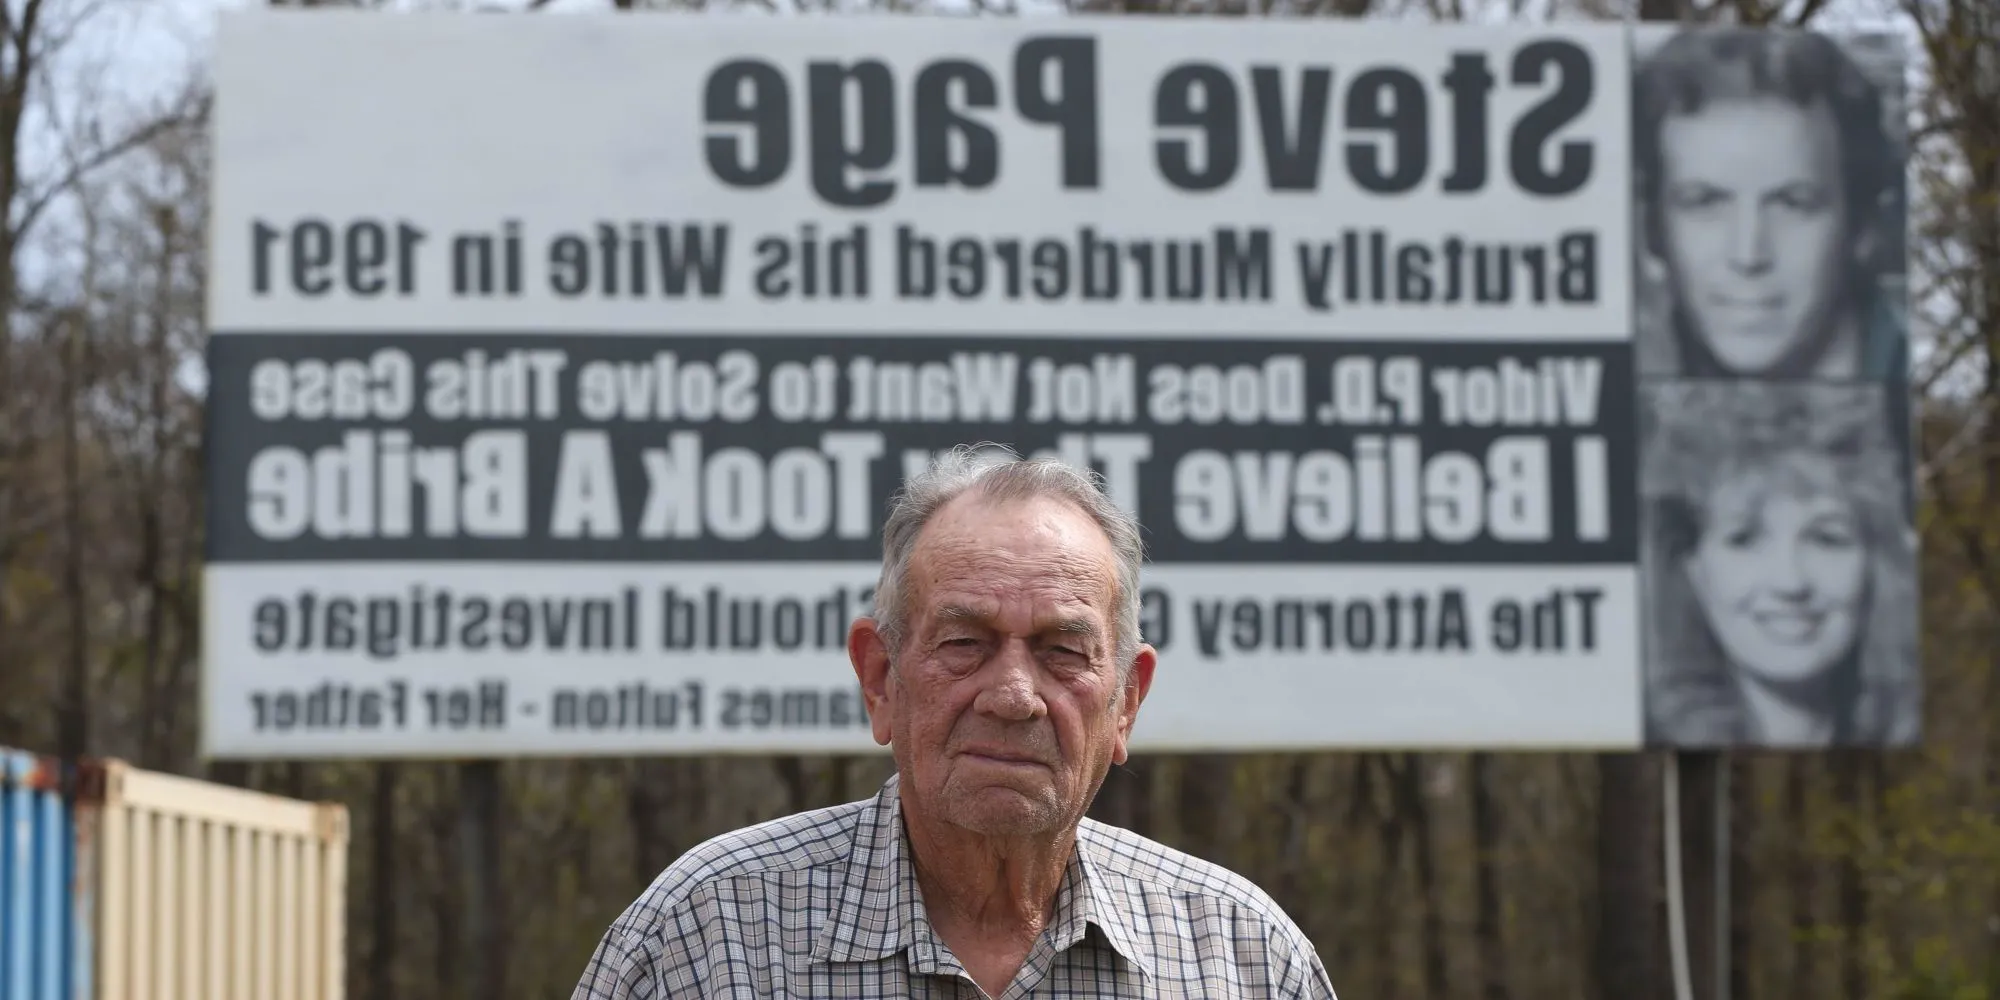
<point x="1676" y="900"/>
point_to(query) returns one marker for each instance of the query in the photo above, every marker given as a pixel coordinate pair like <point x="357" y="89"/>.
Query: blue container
<point x="45" y="895"/>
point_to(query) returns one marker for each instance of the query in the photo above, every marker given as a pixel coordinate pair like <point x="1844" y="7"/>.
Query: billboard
<point x="1777" y="504"/>
<point x="562" y="367"/>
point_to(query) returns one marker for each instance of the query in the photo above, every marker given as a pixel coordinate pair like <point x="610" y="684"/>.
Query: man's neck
<point x="987" y="886"/>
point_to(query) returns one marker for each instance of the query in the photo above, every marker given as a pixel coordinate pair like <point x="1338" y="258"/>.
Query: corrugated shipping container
<point x="159" y="887"/>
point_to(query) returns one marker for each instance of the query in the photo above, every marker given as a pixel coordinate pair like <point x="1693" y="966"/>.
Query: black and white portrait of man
<point x="1770" y="185"/>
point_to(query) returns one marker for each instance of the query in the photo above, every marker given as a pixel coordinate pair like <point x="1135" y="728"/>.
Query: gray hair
<point x="996" y="472"/>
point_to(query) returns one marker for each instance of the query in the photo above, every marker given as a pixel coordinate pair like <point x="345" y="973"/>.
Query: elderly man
<point x="1004" y="669"/>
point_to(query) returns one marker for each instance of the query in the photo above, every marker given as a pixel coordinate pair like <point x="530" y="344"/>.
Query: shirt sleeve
<point x="1300" y="973"/>
<point x="1316" y="984"/>
<point x="660" y="948"/>
<point x="619" y="969"/>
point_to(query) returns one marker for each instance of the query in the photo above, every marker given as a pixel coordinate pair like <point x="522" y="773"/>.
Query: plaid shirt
<point x="826" y="904"/>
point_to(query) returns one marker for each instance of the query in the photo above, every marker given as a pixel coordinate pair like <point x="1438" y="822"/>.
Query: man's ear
<point x="1134" y="692"/>
<point x="869" y="652"/>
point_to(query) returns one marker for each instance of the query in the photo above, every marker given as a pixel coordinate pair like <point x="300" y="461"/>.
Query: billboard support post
<point x="483" y="947"/>
<point x="1725" y="956"/>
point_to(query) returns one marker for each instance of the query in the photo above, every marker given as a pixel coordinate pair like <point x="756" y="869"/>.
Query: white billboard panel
<point x="562" y="368"/>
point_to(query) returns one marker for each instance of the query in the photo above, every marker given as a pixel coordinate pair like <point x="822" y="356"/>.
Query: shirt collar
<point x="1097" y="906"/>
<point x="879" y="909"/>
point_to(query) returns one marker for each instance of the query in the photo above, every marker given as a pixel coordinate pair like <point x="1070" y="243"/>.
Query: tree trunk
<point x="1411" y="802"/>
<point x="1486" y="833"/>
<point x="1114" y="801"/>
<point x="1626" y="955"/>
<point x="23" y="64"/>
<point x="1698" y="770"/>
<point x="384" y="878"/>
<point x="155" y="693"/>
<point x="1852" y="890"/>
<point x="485" y="962"/>
<point x="642" y="811"/>
<point x="1746" y="824"/>
<point x="73" y="724"/>
<point x="1208" y="793"/>
<point x="447" y="902"/>
<point x="1295" y="862"/>
<point x="1384" y="909"/>
<point x="1804" y="880"/>
<point x="791" y="770"/>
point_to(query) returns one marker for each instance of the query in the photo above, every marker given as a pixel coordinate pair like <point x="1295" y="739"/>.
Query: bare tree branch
<point x="1937" y="464"/>
<point x="21" y="34"/>
<point x="54" y="37"/>
<point x="35" y="203"/>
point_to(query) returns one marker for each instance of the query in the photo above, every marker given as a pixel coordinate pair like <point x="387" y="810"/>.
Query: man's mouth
<point x="998" y="755"/>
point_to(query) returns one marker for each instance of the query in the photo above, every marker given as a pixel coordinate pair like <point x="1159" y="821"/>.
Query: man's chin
<point x="1002" y="810"/>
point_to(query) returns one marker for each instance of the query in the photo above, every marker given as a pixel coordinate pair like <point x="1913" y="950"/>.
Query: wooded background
<point x="1432" y="875"/>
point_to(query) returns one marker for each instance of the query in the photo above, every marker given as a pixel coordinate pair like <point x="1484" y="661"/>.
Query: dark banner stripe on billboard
<point x="386" y="446"/>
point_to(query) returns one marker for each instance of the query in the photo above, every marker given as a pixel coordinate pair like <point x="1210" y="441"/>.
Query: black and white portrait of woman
<point x="1769" y="169"/>
<point x="1780" y="568"/>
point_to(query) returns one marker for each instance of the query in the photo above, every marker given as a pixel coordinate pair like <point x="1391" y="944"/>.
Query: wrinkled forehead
<point x="1038" y="557"/>
<point x="1058" y="616"/>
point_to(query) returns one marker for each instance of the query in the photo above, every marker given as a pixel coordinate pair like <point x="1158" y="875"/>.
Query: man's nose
<point x="1009" y="689"/>
<point x="1750" y="240"/>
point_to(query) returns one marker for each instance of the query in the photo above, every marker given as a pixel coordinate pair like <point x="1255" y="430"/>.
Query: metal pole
<point x="1677" y="943"/>
<point x="1722" y="865"/>
<point x="484" y="949"/>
